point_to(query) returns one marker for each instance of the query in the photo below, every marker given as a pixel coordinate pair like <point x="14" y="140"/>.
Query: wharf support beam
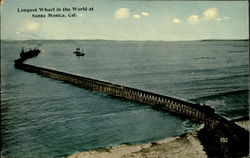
<point x="219" y="136"/>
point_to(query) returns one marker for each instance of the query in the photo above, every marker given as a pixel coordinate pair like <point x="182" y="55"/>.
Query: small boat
<point x="78" y="52"/>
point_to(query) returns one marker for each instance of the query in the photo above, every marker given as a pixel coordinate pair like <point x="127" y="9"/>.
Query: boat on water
<point x="78" y="52"/>
<point x="26" y="55"/>
<point x="29" y="54"/>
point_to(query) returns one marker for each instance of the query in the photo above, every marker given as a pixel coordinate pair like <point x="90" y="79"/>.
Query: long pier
<point x="226" y="135"/>
<point x="194" y="112"/>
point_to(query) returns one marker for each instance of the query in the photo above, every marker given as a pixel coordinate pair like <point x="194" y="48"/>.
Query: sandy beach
<point x="184" y="146"/>
<point x="244" y="124"/>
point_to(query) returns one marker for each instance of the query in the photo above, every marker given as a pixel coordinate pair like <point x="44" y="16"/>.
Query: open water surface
<point x="42" y="117"/>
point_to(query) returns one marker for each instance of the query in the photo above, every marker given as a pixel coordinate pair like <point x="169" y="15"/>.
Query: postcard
<point x="106" y="78"/>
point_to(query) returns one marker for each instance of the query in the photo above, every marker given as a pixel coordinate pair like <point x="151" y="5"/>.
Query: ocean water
<point x="42" y="117"/>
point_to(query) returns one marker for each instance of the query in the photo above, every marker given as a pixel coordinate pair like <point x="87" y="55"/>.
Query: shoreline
<point x="185" y="146"/>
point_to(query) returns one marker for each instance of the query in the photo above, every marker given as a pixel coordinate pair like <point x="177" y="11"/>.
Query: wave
<point x="176" y="72"/>
<point x="240" y="119"/>
<point x="237" y="92"/>
<point x="203" y="58"/>
<point x="240" y="45"/>
<point x="231" y="104"/>
<point x="236" y="51"/>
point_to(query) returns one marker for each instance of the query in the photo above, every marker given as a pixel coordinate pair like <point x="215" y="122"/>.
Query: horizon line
<point x="240" y="39"/>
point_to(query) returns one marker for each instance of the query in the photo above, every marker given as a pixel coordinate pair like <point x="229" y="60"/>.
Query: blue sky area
<point x="126" y="20"/>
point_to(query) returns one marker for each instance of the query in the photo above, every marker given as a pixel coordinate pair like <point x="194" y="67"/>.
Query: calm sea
<point x="42" y="117"/>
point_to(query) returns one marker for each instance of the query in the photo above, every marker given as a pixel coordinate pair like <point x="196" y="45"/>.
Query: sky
<point x="125" y="20"/>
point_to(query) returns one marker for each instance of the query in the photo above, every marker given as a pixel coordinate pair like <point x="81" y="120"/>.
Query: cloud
<point x="176" y="20"/>
<point x="210" y="13"/>
<point x="145" y="13"/>
<point x="222" y="19"/>
<point x="218" y="19"/>
<point x="122" y="13"/>
<point x="193" y="19"/>
<point x="31" y="26"/>
<point x="137" y="16"/>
